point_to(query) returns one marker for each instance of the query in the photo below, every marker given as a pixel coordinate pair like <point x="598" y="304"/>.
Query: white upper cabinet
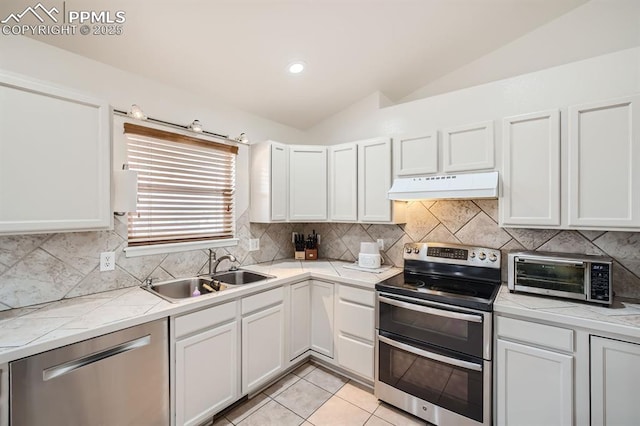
<point x="469" y="147"/>
<point x="531" y="170"/>
<point x="343" y="182"/>
<point x="269" y="182"/>
<point x="55" y="158"/>
<point x="415" y="154"/>
<point x="604" y="164"/>
<point x="307" y="183"/>
<point x="374" y="181"/>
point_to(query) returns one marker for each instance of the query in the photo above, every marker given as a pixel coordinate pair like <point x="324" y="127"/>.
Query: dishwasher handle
<point x="69" y="366"/>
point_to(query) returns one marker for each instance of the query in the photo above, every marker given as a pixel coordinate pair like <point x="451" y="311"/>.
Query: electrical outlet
<point x="380" y="244"/>
<point x="254" y="244"/>
<point x="107" y="261"/>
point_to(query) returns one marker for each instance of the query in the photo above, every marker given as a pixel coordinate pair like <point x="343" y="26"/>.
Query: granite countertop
<point x="623" y="317"/>
<point x="31" y="330"/>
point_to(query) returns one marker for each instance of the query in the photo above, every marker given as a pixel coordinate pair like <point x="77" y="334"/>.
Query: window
<point x="185" y="187"/>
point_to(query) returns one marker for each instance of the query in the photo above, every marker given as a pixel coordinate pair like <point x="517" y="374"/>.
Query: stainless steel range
<point x="434" y="333"/>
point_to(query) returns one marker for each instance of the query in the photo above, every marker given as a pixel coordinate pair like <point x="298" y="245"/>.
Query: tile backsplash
<point x="47" y="267"/>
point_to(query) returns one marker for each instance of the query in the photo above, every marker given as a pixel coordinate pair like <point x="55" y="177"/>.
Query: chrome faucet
<point x="213" y="262"/>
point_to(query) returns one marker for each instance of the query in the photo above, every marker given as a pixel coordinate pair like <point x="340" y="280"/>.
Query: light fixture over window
<point x="137" y="113"/>
<point x="196" y="126"/>
<point x="296" y="67"/>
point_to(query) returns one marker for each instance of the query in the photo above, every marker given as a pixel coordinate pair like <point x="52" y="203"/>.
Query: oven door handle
<point x="575" y="263"/>
<point x="432" y="311"/>
<point x="436" y="357"/>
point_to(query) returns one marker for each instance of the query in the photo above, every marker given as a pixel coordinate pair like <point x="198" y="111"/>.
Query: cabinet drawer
<point x="205" y="318"/>
<point x="356" y="320"/>
<point x="537" y="334"/>
<point x="262" y="300"/>
<point x="355" y="356"/>
<point x="357" y="295"/>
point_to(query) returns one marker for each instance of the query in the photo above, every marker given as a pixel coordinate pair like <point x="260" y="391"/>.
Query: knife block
<point x="311" y="254"/>
<point x="299" y="255"/>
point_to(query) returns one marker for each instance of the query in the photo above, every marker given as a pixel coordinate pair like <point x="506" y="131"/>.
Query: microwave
<point x="572" y="276"/>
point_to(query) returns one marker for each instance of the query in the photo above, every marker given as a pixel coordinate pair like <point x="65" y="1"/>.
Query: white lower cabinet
<point x="206" y="360"/>
<point x="322" y="318"/>
<point x="299" y="319"/>
<point x="534" y="378"/>
<point x="262" y="338"/>
<point x="4" y="395"/>
<point x="355" y="330"/>
<point x="615" y="374"/>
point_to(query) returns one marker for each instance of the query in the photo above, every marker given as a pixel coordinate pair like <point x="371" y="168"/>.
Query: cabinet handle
<point x="69" y="366"/>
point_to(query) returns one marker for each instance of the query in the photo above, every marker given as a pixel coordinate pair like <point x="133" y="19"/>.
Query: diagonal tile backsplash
<point x="36" y="269"/>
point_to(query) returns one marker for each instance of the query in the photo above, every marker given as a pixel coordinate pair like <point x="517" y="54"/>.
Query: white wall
<point x="595" y="28"/>
<point x="607" y="76"/>
<point x="44" y="62"/>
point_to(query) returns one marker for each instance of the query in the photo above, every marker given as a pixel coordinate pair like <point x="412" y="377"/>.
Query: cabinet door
<point x="307" y="183"/>
<point x="356" y="355"/>
<point x="374" y="180"/>
<point x="534" y="386"/>
<point x="207" y="377"/>
<point x="531" y="170"/>
<point x="468" y="147"/>
<point x="615" y="374"/>
<point x="415" y="155"/>
<point x="343" y="182"/>
<point x="262" y="347"/>
<point x="55" y="159"/>
<point x="300" y="319"/>
<point x="322" y="318"/>
<point x="279" y="182"/>
<point x="604" y="164"/>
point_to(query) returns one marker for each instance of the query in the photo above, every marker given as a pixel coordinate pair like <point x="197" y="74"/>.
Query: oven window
<point x="551" y="276"/>
<point x="455" y="388"/>
<point x="433" y="329"/>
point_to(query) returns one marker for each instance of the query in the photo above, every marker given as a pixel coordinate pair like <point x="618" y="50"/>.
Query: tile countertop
<point x="622" y="318"/>
<point x="31" y="330"/>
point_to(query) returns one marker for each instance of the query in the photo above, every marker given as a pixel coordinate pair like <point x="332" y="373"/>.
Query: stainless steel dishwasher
<point x="121" y="378"/>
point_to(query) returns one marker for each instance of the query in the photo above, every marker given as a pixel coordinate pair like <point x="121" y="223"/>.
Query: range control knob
<point x="472" y="255"/>
<point x="482" y="256"/>
<point x="416" y="250"/>
<point x="493" y="257"/>
<point x="408" y="250"/>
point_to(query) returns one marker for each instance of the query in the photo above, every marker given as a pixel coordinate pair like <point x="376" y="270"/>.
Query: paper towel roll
<point x="369" y="248"/>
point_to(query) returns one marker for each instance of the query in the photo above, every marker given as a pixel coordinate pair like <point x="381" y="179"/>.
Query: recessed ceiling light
<point x="296" y="67"/>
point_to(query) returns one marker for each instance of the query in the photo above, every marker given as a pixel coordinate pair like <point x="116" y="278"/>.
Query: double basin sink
<point x="183" y="288"/>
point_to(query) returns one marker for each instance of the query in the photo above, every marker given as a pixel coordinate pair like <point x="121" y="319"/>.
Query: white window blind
<point x="185" y="187"/>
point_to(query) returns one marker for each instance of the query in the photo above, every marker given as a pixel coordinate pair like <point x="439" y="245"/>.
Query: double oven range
<point x="434" y="333"/>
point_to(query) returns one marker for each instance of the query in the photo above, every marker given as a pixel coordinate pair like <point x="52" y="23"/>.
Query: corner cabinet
<point x="56" y="143"/>
<point x="269" y="182"/>
<point x="307" y="183"/>
<point x="311" y="318"/>
<point x="604" y="164"/>
<point x="531" y="170"/>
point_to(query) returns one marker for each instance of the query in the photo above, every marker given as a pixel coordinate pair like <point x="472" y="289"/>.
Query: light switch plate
<point x="254" y="244"/>
<point x="107" y="261"/>
<point x="380" y="244"/>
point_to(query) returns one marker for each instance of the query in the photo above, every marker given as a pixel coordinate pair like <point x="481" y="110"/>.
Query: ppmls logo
<point x="33" y="11"/>
<point x="47" y="21"/>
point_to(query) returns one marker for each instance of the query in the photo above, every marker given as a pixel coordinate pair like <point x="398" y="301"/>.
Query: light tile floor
<point x="313" y="395"/>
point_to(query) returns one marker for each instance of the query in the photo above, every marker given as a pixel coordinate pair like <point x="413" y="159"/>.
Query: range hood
<point x="445" y="187"/>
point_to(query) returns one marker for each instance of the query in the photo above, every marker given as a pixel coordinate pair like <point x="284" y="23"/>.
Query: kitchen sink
<point x="240" y="277"/>
<point x="183" y="288"/>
